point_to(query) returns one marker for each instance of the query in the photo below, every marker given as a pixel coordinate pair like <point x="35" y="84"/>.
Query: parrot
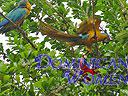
<point x="86" y="25"/>
<point x="17" y="15"/>
<point x="86" y="69"/>
<point x="87" y="33"/>
<point x="86" y="30"/>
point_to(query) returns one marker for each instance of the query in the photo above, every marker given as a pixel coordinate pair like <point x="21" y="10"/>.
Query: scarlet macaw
<point x="17" y="15"/>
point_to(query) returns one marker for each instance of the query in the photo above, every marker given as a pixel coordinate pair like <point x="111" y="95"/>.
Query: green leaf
<point x="3" y="67"/>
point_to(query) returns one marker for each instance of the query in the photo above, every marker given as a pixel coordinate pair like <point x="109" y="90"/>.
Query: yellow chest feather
<point x="28" y="8"/>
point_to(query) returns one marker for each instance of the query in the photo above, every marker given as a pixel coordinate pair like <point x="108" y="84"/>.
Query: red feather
<point x="85" y="69"/>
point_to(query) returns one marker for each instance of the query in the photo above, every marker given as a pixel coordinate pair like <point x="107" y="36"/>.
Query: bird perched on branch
<point x="17" y="16"/>
<point x="86" y="29"/>
<point x="90" y="28"/>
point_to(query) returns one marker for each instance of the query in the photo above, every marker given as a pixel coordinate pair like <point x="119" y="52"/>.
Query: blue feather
<point x="15" y="15"/>
<point x="4" y="22"/>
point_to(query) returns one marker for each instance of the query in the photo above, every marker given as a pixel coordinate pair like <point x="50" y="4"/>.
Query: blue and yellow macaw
<point x="84" y="36"/>
<point x="17" y="15"/>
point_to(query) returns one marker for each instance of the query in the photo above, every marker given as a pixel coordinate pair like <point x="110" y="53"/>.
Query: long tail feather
<point x="46" y="29"/>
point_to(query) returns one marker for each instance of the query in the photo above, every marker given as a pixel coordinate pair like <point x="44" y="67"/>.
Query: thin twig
<point x="50" y="5"/>
<point x="124" y="10"/>
<point x="57" y="90"/>
<point x="95" y="35"/>
<point x="20" y="30"/>
<point x="88" y="9"/>
<point x="60" y="15"/>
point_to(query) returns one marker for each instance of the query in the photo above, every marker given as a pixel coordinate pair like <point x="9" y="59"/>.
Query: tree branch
<point x="20" y="30"/>
<point x="95" y="35"/>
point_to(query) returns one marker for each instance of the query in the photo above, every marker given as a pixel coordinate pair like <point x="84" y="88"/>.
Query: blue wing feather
<point x="15" y="15"/>
<point x="4" y="22"/>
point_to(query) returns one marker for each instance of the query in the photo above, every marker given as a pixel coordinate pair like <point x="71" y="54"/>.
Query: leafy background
<point x="18" y="76"/>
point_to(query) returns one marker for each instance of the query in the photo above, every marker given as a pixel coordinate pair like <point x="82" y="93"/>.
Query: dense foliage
<point x="19" y="77"/>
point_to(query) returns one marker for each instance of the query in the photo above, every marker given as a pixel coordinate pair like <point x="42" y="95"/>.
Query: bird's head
<point x="25" y="4"/>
